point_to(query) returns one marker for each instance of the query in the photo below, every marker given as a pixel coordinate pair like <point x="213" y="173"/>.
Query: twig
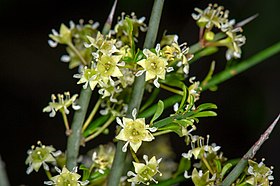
<point x="137" y="93"/>
<point x="3" y="175"/>
<point x="233" y="175"/>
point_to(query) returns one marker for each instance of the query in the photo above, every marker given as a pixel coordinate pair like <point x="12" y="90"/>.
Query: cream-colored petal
<point x="135" y="146"/>
<point x="121" y="136"/>
<point x="92" y="84"/>
<point x="36" y="166"/>
<point x="162" y="75"/>
<point x="140" y="120"/>
<point x="196" y="152"/>
<point x="116" y="58"/>
<point x="142" y="63"/>
<point x="149" y="76"/>
<point x="127" y="120"/>
<point x="117" y="72"/>
<point x="148" y="137"/>
<point x="148" y="53"/>
<point x="138" y="166"/>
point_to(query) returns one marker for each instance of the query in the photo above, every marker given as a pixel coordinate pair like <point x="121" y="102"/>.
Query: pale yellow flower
<point x="154" y="65"/>
<point x="144" y="172"/>
<point x="66" y="177"/>
<point x="108" y="66"/>
<point x="134" y="131"/>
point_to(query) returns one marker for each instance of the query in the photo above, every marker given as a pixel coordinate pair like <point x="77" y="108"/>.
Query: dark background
<point x="31" y="72"/>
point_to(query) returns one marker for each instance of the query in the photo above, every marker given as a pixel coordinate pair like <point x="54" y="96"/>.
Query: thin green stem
<point x="92" y="114"/>
<point x="242" y="66"/>
<point x="74" y="49"/>
<point x="170" y="89"/>
<point x="74" y="139"/>
<point x="162" y="132"/>
<point x="101" y="129"/>
<point x="133" y="154"/>
<point x="137" y="93"/>
<point x="66" y="123"/>
<point x="48" y="173"/>
<point x="207" y="164"/>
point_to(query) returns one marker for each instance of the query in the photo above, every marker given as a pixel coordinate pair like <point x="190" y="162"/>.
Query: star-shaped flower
<point x="64" y="101"/>
<point x="66" y="177"/>
<point x="134" y="132"/>
<point x="154" y="65"/>
<point x="39" y="156"/>
<point x="144" y="172"/>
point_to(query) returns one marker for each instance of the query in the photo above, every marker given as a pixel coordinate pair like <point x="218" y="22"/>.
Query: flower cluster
<point x="74" y="37"/>
<point x="199" y="149"/>
<point x="205" y="171"/>
<point x="40" y="155"/>
<point x="110" y="65"/>
<point x="215" y="16"/>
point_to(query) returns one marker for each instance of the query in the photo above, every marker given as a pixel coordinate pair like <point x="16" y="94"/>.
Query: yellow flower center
<point x="135" y="131"/>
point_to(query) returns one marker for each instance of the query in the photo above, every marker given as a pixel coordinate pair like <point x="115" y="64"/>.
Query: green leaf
<point x="209" y="75"/>
<point x="130" y="32"/>
<point x="86" y="172"/>
<point x="181" y="131"/>
<point x="160" y="108"/>
<point x="184" y="122"/>
<point x="206" y="106"/>
<point x="225" y="169"/>
<point x="95" y="124"/>
<point x="218" y="165"/>
<point x="205" y="114"/>
<point x="184" y="165"/>
<point x="97" y="178"/>
<point x="167" y="103"/>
